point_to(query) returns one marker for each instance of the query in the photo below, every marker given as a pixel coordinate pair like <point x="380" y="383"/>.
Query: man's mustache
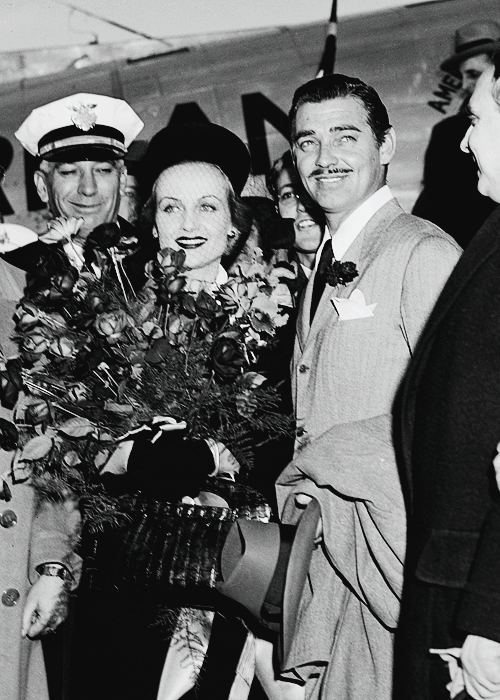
<point x="330" y="171"/>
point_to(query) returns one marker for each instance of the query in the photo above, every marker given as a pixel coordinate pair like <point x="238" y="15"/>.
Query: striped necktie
<point x="319" y="283"/>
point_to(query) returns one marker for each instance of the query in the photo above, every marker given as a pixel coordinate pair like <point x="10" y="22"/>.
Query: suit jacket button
<point x="8" y="518"/>
<point x="303" y="368"/>
<point x="10" y="597"/>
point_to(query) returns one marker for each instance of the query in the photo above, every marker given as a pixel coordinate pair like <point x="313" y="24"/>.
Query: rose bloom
<point x="37" y="412"/>
<point x="62" y="347"/>
<point x="229" y="356"/>
<point x="26" y="315"/>
<point x="62" y="285"/>
<point x="61" y="228"/>
<point x="35" y="342"/>
<point x="112" y="324"/>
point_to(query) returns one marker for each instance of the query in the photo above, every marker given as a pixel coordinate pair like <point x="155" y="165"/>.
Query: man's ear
<point x="388" y="147"/>
<point x="123" y="181"/>
<point x="41" y="185"/>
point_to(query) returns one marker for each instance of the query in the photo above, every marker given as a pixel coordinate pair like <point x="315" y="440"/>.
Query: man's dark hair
<point x="329" y="87"/>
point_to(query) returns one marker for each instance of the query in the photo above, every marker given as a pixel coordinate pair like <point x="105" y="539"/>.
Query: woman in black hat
<point x="152" y="580"/>
<point x="191" y="178"/>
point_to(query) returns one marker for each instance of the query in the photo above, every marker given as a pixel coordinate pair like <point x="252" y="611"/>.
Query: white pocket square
<point x="354" y="307"/>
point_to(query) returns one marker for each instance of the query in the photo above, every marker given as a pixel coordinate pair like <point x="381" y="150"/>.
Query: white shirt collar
<point x="352" y="226"/>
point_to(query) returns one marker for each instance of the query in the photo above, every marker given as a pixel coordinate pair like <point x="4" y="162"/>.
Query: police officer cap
<point x="80" y="127"/>
<point x="204" y="143"/>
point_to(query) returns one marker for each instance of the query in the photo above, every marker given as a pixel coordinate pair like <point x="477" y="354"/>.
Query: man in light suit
<point x="385" y="270"/>
<point x="450" y="434"/>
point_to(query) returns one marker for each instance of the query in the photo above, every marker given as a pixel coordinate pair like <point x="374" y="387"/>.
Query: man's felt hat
<point x="473" y="39"/>
<point x="203" y="143"/>
<point x="264" y="567"/>
<point x="80" y="127"/>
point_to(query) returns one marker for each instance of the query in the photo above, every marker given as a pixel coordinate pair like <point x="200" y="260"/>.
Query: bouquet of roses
<point x="98" y="359"/>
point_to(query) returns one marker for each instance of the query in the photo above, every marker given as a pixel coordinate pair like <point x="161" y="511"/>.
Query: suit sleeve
<point x="26" y="257"/>
<point x="430" y="264"/>
<point x="351" y="471"/>
<point x="479" y="611"/>
<point x="54" y="535"/>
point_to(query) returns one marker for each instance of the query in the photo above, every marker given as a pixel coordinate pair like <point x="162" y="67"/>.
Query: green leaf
<point x="77" y="427"/>
<point x="37" y="448"/>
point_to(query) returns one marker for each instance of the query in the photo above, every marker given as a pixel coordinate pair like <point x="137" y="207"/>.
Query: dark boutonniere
<point x="337" y="272"/>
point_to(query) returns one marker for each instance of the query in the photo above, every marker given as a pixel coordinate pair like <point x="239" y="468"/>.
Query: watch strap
<point x="54" y="569"/>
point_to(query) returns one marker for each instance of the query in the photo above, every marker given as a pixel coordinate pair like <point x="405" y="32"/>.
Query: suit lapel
<point x="361" y="252"/>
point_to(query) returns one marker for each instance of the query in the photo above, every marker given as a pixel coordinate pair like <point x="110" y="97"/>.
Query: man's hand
<point x="480" y="659"/>
<point x="46" y="606"/>
<point x="302" y="500"/>
<point x="496" y="464"/>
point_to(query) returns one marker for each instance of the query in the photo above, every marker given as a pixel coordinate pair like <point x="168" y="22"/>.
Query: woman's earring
<point x="155" y="232"/>
<point x="232" y="233"/>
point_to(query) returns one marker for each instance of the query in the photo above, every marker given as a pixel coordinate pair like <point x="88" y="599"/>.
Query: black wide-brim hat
<point x="264" y="568"/>
<point x="200" y="143"/>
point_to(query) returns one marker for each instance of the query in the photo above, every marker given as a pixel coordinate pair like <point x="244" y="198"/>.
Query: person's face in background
<point x="471" y="70"/>
<point x="85" y="189"/>
<point x="483" y="136"/>
<point x="130" y="202"/>
<point x="294" y="203"/>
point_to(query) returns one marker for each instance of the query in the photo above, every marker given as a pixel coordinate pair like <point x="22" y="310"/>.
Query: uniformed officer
<point x="81" y="141"/>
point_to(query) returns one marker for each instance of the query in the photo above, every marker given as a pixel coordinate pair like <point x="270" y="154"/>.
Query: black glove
<point x="169" y="468"/>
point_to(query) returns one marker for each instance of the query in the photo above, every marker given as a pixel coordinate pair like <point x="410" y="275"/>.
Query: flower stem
<point x="191" y="338"/>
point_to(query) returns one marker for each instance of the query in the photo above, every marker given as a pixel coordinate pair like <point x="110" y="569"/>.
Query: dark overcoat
<point x="449" y="432"/>
<point x="450" y="198"/>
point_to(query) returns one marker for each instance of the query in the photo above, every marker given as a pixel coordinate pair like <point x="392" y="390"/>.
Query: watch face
<point x="58" y="570"/>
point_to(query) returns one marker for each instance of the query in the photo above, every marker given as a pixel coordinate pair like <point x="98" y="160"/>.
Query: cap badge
<point x="84" y="117"/>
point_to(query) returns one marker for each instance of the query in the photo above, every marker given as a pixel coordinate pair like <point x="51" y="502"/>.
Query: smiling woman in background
<point x="293" y="202"/>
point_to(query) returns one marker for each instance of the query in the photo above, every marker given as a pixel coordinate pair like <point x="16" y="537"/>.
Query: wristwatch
<point x="54" y="569"/>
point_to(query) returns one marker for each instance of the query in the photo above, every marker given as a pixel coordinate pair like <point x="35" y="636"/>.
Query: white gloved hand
<point x="480" y="659"/>
<point x="14" y="236"/>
